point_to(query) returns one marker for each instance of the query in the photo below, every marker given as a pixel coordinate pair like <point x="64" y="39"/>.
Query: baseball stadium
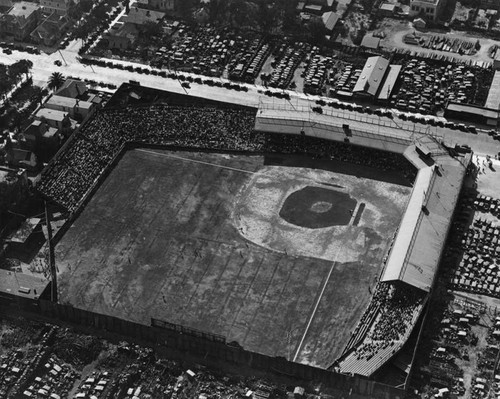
<point x="295" y="234"/>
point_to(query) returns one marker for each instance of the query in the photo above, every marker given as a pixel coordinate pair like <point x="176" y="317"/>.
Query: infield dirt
<point x="197" y="239"/>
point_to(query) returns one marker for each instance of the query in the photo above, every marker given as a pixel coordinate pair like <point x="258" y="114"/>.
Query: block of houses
<point x="20" y="20"/>
<point x="59" y="7"/>
<point x="53" y="117"/>
<point x="429" y="9"/>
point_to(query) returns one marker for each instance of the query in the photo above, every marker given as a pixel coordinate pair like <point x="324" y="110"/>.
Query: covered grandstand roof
<point x="371" y="76"/>
<point x="422" y="234"/>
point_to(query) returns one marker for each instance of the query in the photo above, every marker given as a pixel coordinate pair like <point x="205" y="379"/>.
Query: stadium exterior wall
<point x="212" y="351"/>
<point x="328" y="129"/>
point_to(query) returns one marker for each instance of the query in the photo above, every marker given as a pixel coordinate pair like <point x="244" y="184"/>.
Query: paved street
<point x="43" y="67"/>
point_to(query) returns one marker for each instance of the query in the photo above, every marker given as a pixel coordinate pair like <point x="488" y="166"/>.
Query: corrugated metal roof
<point x="371" y="76"/>
<point x="421" y="236"/>
<point x="474" y="110"/>
<point x="389" y="82"/>
<point x="330" y="19"/>
<point x="493" y="99"/>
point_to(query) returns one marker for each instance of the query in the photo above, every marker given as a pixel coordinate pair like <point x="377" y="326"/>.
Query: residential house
<point x="387" y="9"/>
<point x="140" y="16"/>
<point x="428" y="9"/>
<point x="75" y="108"/>
<point x="59" y="7"/>
<point x="72" y="88"/>
<point x="20" y="20"/>
<point x="21" y="158"/>
<point x="50" y="30"/>
<point x="121" y="36"/>
<point x="53" y="117"/>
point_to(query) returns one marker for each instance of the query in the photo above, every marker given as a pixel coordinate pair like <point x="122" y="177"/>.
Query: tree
<point x="317" y="31"/>
<point x="150" y="29"/>
<point x="56" y="80"/>
<point x="267" y="15"/>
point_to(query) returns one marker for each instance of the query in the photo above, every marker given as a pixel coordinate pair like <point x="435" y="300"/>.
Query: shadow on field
<point x="332" y="165"/>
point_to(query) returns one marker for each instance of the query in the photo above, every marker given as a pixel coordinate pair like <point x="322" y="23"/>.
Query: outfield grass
<point x="196" y="239"/>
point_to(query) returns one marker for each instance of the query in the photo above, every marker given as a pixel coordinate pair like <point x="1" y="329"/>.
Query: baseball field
<point x="279" y="253"/>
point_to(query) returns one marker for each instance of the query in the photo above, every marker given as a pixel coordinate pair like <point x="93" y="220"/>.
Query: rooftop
<point x="493" y="100"/>
<point x="21" y="284"/>
<point x="23" y="9"/>
<point x="51" y="114"/>
<point x="372" y="75"/>
<point x="140" y="16"/>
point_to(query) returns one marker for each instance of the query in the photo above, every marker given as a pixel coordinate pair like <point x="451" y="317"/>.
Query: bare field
<point x="197" y="239"/>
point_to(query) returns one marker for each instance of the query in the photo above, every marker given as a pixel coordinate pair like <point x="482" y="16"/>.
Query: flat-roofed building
<point x="430" y="9"/>
<point x="59" y="7"/>
<point x="53" y="117"/>
<point x="20" y="20"/>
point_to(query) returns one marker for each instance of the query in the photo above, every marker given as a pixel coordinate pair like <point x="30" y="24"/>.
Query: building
<point x="490" y="4"/>
<point x="121" y="36"/>
<point x="387" y="9"/>
<point x="72" y="88"/>
<point x="21" y="158"/>
<point x="59" y="7"/>
<point x="20" y="20"/>
<point x="53" y="117"/>
<point x="390" y="82"/>
<point x="74" y="107"/>
<point x="50" y="30"/>
<point x="370" y="41"/>
<point x="428" y="9"/>
<point x="371" y="77"/>
<point x="472" y="113"/>
<point x="330" y="20"/>
<point x="163" y="5"/>
<point x="141" y="16"/>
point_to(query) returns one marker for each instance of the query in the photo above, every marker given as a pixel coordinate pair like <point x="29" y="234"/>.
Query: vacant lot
<point x="197" y="239"/>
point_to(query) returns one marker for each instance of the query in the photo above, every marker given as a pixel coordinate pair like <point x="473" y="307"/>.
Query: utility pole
<point x="52" y="263"/>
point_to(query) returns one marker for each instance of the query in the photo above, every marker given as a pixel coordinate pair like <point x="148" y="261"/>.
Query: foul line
<point x="196" y="161"/>
<point x="315" y="308"/>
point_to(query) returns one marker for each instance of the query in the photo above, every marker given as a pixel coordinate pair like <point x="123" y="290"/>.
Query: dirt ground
<point x="395" y="30"/>
<point x="161" y="239"/>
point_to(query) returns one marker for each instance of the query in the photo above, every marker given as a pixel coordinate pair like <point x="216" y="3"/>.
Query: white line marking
<point x="316" y="307"/>
<point x="196" y="161"/>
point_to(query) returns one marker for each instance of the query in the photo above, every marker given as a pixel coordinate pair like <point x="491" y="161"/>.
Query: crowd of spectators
<point x="74" y="172"/>
<point x="396" y="307"/>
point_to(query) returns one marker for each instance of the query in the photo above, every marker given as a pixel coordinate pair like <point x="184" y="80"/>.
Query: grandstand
<point x="417" y="247"/>
<point x="407" y="271"/>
